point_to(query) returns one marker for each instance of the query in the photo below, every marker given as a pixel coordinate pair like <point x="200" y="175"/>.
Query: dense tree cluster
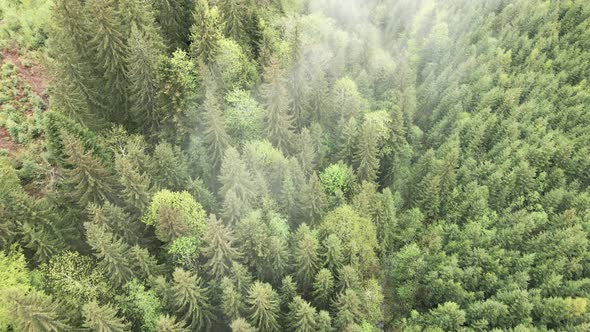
<point x="301" y="165"/>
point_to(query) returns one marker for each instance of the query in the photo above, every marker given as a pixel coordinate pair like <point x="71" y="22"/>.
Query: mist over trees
<point x="294" y="165"/>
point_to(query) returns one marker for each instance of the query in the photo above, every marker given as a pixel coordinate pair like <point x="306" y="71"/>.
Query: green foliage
<point x="175" y="215"/>
<point x="206" y="32"/>
<point x="218" y="248"/>
<point x="102" y="318"/>
<point x="35" y="312"/>
<point x="264" y="307"/>
<point x="16" y="281"/>
<point x="190" y="300"/>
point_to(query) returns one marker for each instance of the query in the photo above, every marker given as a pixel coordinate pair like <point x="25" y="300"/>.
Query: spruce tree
<point x="233" y="207"/>
<point x="348" y="140"/>
<point x="264" y="307"/>
<point x="241" y="325"/>
<point x="324" y="322"/>
<point x="90" y="180"/>
<point x="103" y="318"/>
<point x="323" y="287"/>
<point x="306" y="255"/>
<point x="348" y="309"/>
<point x="232" y="304"/>
<point x="111" y="253"/>
<point x="135" y="186"/>
<point x="35" y="312"/>
<point x="205" y="32"/>
<point x="234" y="176"/>
<point x="109" y="51"/>
<point x="175" y="19"/>
<point x="277" y="121"/>
<point x="287" y="292"/>
<point x="218" y="248"/>
<point x="190" y="300"/>
<point x="166" y="323"/>
<point x="234" y="20"/>
<point x="214" y="132"/>
<point x="142" y="63"/>
<point x="332" y="253"/>
<point x="314" y="200"/>
<point x="302" y="316"/>
<point x="367" y="153"/>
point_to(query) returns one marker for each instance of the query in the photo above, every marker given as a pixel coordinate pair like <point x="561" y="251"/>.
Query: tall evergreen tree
<point x="241" y="325"/>
<point x="175" y="19"/>
<point x="332" y="253"/>
<point x="314" y="200"/>
<point x="232" y="304"/>
<point x="367" y="153"/>
<point x="190" y="300"/>
<point x="166" y="323"/>
<point x="218" y="248"/>
<point x="302" y="316"/>
<point x="90" y="180"/>
<point x="306" y="255"/>
<point x="233" y="14"/>
<point x="108" y="45"/>
<point x="135" y="186"/>
<point x="214" y="132"/>
<point x="323" y="287"/>
<point x="205" y="32"/>
<point x="35" y="312"/>
<point x="277" y="121"/>
<point x="103" y="318"/>
<point x="264" y="307"/>
<point x="111" y="252"/>
<point x="234" y="176"/>
<point x="348" y="309"/>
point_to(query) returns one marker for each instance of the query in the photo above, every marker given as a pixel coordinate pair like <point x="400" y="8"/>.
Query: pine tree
<point x="168" y="323"/>
<point x="241" y="325"/>
<point x="241" y="277"/>
<point x="145" y="264"/>
<point x="142" y="63"/>
<point x="307" y="154"/>
<point x="306" y="255"/>
<point x="277" y="121"/>
<point x="277" y="259"/>
<point x="332" y="253"/>
<point x="218" y="248"/>
<point x="314" y="200"/>
<point x="302" y="316"/>
<point x="366" y="156"/>
<point x="264" y="307"/>
<point x="35" y="312"/>
<point x="168" y="167"/>
<point x="90" y="180"/>
<point x="190" y="300"/>
<point x="111" y="252"/>
<point x="348" y="278"/>
<point x="110" y="50"/>
<point x="103" y="318"/>
<point x="232" y="304"/>
<point x="214" y="132"/>
<point x="233" y="207"/>
<point x="205" y="32"/>
<point x="323" y="287"/>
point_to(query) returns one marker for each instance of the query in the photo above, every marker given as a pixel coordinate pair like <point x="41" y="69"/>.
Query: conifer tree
<point x="241" y="325"/>
<point x="314" y="200"/>
<point x="332" y="253"/>
<point x="168" y="167"/>
<point x="348" y="140"/>
<point x="103" y="318"/>
<point x="264" y="307"/>
<point x="307" y="154"/>
<point x="234" y="176"/>
<point x="306" y="255"/>
<point x="166" y="323"/>
<point x="218" y="248"/>
<point x="205" y="32"/>
<point x="109" y="47"/>
<point x="135" y="186"/>
<point x="142" y="63"/>
<point x="35" y="312"/>
<point x="366" y="156"/>
<point x="241" y="277"/>
<point x="175" y="19"/>
<point x="233" y="207"/>
<point x="214" y="132"/>
<point x="190" y="300"/>
<point x="302" y="316"/>
<point x="277" y="259"/>
<point x="348" y="278"/>
<point x="287" y="292"/>
<point x="277" y="121"/>
<point x="323" y="287"/>
<point x="324" y="322"/>
<point x="348" y="309"/>
<point x="233" y="17"/>
<point x="232" y="304"/>
<point x="111" y="252"/>
<point x="90" y="180"/>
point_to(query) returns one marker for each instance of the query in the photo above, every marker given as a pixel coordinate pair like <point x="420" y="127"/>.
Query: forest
<point x="294" y="165"/>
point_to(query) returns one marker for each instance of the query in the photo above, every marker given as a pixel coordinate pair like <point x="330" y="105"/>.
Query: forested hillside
<point x="294" y="165"/>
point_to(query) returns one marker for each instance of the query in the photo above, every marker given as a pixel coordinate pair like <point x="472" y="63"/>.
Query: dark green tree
<point x="218" y="247"/>
<point x="206" y="32"/>
<point x="214" y="132"/>
<point x="36" y="312"/>
<point x="323" y="288"/>
<point x="190" y="300"/>
<point x="103" y="318"/>
<point x="302" y="316"/>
